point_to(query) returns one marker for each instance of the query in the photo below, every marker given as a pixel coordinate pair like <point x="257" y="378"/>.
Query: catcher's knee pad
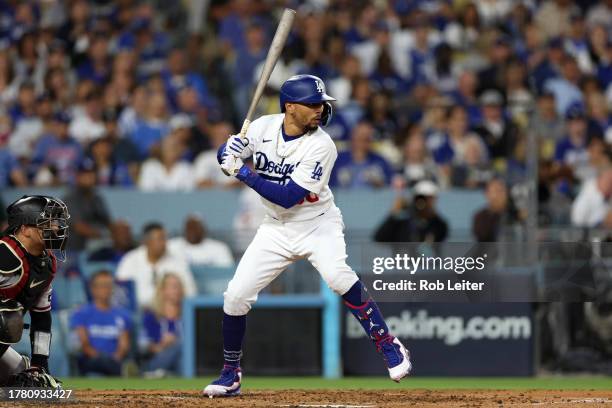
<point x="11" y="321"/>
<point x="234" y="304"/>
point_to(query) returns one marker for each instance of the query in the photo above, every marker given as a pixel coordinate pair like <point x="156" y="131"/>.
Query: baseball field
<point x="347" y="392"/>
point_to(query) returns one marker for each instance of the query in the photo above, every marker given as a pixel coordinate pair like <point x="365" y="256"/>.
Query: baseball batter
<point x="293" y="159"/>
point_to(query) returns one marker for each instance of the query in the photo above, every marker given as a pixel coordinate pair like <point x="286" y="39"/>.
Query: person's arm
<point x="123" y="346"/>
<point x="86" y="346"/>
<point x="285" y="196"/>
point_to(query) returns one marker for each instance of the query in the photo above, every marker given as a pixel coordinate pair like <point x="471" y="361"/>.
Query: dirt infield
<point x="338" y="399"/>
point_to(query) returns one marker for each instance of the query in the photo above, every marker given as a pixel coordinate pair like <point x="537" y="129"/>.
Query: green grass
<point x="546" y="383"/>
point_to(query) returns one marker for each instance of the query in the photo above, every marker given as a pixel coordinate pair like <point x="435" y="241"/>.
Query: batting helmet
<point x="306" y="89"/>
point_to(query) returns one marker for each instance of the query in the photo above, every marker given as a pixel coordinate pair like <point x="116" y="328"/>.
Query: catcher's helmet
<point x="48" y="214"/>
<point x="306" y="89"/>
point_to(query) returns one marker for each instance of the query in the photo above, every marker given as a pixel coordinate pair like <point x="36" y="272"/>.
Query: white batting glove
<point x="231" y="165"/>
<point x="236" y="145"/>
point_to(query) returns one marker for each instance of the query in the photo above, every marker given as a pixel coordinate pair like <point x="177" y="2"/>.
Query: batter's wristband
<point x="247" y="176"/>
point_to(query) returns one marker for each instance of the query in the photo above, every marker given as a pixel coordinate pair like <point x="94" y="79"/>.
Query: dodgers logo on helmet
<point x="306" y="89"/>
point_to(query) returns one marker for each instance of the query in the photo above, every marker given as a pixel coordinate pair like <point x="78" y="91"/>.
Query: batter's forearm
<point x="285" y="196"/>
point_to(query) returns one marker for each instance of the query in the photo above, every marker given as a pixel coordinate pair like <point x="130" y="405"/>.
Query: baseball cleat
<point x="227" y="385"/>
<point x="397" y="357"/>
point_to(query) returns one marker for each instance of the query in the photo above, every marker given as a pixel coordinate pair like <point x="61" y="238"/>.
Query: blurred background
<point x="455" y="121"/>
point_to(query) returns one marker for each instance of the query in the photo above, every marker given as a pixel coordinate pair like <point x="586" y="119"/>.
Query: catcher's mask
<point x="48" y="214"/>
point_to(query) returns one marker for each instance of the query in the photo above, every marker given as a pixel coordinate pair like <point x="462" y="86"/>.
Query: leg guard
<point x="11" y="321"/>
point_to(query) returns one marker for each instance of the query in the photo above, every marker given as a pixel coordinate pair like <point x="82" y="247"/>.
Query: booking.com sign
<point x="451" y="330"/>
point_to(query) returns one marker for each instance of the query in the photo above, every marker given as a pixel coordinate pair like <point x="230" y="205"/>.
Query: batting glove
<point x="236" y="145"/>
<point x="231" y="165"/>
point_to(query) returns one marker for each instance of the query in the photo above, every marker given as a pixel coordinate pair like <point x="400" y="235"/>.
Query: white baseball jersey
<point x="307" y="160"/>
<point x="311" y="230"/>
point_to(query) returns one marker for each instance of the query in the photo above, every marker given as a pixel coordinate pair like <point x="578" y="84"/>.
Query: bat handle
<point x="243" y="130"/>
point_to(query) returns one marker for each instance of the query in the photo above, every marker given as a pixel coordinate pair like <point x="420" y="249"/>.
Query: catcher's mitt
<point x="34" y="377"/>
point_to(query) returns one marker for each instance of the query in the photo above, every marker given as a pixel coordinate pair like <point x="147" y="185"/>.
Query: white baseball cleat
<point x="397" y="357"/>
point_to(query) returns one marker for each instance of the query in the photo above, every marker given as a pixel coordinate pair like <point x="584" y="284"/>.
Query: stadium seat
<point x="68" y="292"/>
<point x="211" y="280"/>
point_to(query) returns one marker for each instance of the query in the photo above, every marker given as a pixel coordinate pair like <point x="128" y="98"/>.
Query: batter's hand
<point x="236" y="145"/>
<point x="231" y="165"/>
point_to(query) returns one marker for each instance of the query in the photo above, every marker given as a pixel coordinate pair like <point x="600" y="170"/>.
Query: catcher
<point x="37" y="226"/>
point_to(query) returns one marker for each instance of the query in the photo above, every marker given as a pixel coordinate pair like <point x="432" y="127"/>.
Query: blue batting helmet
<point x="306" y="89"/>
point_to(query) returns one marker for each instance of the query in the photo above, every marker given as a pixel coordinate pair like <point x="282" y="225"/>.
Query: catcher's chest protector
<point x="23" y="277"/>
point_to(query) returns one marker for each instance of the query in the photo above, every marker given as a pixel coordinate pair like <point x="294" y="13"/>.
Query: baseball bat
<point x="278" y="42"/>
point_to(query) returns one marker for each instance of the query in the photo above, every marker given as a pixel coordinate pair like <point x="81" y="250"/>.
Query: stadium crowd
<point x="138" y="94"/>
<point x="439" y="90"/>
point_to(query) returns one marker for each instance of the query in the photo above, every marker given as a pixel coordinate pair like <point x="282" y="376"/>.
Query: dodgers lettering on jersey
<point x="307" y="160"/>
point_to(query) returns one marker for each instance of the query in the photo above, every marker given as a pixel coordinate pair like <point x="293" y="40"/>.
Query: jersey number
<point x="311" y="198"/>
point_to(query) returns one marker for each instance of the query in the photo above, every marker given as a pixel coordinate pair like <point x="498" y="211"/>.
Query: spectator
<point x="465" y="95"/>
<point x="566" y="88"/>
<point x="151" y="129"/>
<point x="177" y="76"/>
<point x="102" y="331"/>
<point x="197" y="248"/>
<point x="591" y="208"/>
<point x="89" y="216"/>
<point x="87" y="124"/>
<point x="134" y="112"/>
<point x="108" y="171"/>
<point x="498" y="134"/>
<point x="9" y="81"/>
<point x="449" y="148"/>
<point x="417" y="221"/>
<point x="499" y="212"/>
<point x="600" y="118"/>
<point x="162" y="329"/>
<point x="361" y="167"/>
<point x="206" y="170"/>
<point x="148" y="263"/>
<point x="553" y="17"/>
<point x="382" y="118"/>
<point x="57" y="154"/>
<point x="170" y="173"/>
<point x="11" y="173"/>
<point x="474" y="171"/>
<point x="418" y="164"/>
<point x="122" y="243"/>
<point x="547" y="125"/>
<point x="28" y="126"/>
<point x="96" y="68"/>
<point x="572" y="149"/>
<point x="500" y="53"/>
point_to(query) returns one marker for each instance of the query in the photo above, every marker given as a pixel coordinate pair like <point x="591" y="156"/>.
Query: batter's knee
<point x="341" y="282"/>
<point x="236" y="303"/>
